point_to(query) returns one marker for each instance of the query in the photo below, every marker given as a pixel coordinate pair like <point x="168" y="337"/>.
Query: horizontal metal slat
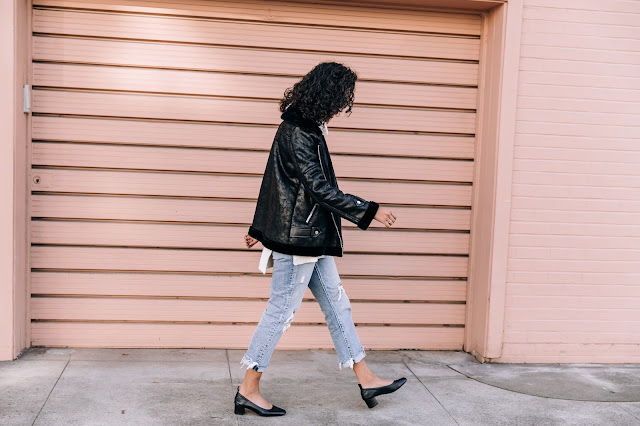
<point x="93" y="207"/>
<point x="231" y="237"/>
<point x="171" y="107"/>
<point x="274" y="36"/>
<point x="234" y="311"/>
<point x="123" y="335"/>
<point x="233" y="187"/>
<point x="239" y="162"/>
<point x="238" y="85"/>
<point x="155" y="54"/>
<point x="233" y="286"/>
<point x="141" y="132"/>
<point x="223" y="261"/>
<point x="300" y="13"/>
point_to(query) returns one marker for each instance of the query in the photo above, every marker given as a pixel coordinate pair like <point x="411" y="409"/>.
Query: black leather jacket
<point x="300" y="205"/>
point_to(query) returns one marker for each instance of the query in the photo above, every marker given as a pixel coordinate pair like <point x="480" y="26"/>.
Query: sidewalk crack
<point x="226" y="353"/>
<point x="50" y="392"/>
<point x="425" y="386"/>
<point x="627" y="411"/>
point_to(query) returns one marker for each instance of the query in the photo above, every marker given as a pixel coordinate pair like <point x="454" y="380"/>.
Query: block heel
<point x="239" y="409"/>
<point x="371" y="402"/>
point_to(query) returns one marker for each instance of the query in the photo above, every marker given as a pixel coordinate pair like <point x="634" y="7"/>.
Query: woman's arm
<point x="305" y="157"/>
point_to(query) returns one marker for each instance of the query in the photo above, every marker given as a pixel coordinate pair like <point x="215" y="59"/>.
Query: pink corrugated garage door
<point x="152" y="122"/>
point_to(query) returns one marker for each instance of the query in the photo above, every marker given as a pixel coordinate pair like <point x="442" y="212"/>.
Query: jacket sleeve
<point x="306" y="159"/>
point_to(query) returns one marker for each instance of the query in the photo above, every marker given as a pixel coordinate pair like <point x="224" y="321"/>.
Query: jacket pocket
<point x="304" y="231"/>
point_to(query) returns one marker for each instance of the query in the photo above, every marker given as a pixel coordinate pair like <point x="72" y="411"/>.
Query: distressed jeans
<point x="288" y="285"/>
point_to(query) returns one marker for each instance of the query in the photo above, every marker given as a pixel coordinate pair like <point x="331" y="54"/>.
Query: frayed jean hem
<point x="246" y="361"/>
<point x="349" y="363"/>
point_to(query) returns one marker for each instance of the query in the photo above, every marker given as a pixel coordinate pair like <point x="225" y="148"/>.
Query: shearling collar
<point x="295" y="117"/>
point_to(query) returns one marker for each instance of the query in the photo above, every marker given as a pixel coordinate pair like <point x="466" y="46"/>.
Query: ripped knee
<point x="341" y="291"/>
<point x="287" y="322"/>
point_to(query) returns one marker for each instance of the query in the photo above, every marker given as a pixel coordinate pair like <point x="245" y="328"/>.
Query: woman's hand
<point x="249" y="241"/>
<point x="385" y="217"/>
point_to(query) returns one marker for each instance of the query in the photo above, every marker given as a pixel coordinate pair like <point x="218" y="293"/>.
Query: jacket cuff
<point x="368" y="215"/>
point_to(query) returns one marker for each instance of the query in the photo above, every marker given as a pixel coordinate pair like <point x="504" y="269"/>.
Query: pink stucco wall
<point x="573" y="271"/>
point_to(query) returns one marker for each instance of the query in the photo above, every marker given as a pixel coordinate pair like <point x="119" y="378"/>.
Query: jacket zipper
<point x="332" y="218"/>
<point x="312" y="210"/>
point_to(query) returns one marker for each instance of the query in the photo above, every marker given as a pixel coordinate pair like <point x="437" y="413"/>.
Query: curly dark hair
<point x="325" y="91"/>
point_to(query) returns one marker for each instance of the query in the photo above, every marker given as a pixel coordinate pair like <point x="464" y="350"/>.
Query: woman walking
<point x="297" y="220"/>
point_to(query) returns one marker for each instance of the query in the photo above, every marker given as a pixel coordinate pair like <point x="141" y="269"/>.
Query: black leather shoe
<point x="241" y="403"/>
<point x="369" y="394"/>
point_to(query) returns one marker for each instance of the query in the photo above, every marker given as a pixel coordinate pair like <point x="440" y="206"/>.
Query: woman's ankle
<point x="249" y="388"/>
<point x="245" y="388"/>
<point x="251" y="382"/>
<point x="363" y="372"/>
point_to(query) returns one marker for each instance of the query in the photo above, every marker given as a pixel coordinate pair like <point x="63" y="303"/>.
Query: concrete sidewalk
<point x="50" y="386"/>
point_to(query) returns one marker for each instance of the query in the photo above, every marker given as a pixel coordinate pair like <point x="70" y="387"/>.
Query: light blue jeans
<point x="288" y="285"/>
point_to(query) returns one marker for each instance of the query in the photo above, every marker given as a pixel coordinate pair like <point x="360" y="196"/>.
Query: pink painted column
<point x="14" y="54"/>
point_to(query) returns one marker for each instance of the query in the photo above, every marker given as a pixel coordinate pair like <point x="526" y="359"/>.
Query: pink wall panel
<point x="573" y="291"/>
